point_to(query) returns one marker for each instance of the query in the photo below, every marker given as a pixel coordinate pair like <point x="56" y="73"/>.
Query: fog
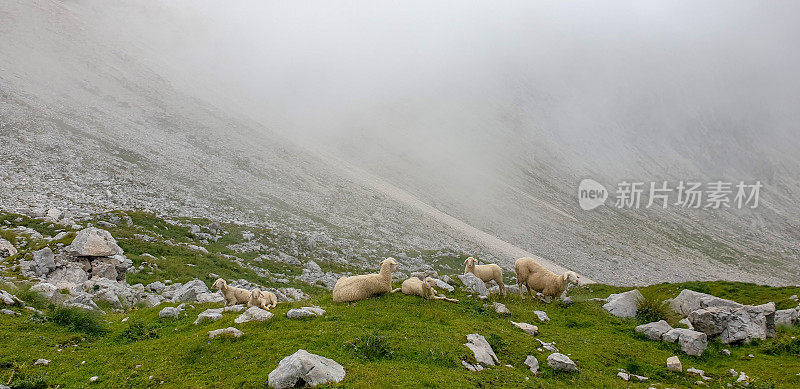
<point x="440" y="82"/>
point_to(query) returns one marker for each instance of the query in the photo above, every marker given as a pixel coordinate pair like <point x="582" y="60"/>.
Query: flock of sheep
<point x="530" y="273"/>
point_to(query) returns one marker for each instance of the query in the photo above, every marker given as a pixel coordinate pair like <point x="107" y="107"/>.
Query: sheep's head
<point x="257" y="293"/>
<point x="571" y="277"/>
<point x="430" y="282"/>
<point x="470" y="264"/>
<point x="391" y="263"/>
<point x="219" y="284"/>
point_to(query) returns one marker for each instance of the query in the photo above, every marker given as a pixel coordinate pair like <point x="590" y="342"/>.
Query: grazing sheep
<point x="416" y="287"/>
<point x="364" y="286"/>
<point x="486" y="272"/>
<point x="536" y="278"/>
<point x="264" y="300"/>
<point x="232" y="294"/>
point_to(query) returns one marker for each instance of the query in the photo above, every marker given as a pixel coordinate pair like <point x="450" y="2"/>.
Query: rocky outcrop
<point x="305" y="369"/>
<point x="623" y="304"/>
<point x="94" y="242"/>
<point x="730" y="321"/>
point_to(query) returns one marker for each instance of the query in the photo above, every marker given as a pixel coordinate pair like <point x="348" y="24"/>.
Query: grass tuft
<point x="76" y="319"/>
<point x="652" y="309"/>
<point x="371" y="346"/>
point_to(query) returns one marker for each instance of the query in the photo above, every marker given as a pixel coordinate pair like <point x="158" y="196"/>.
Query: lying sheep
<point x="416" y="287"/>
<point x="264" y="300"/>
<point x="232" y="294"/>
<point x="364" y="286"/>
<point x="537" y="278"/>
<point x="486" y="273"/>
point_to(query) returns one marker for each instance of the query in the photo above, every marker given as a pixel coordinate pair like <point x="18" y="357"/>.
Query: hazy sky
<point x="470" y="77"/>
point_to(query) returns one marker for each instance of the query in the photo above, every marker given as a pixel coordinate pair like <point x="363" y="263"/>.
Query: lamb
<point x="486" y="273"/>
<point x="537" y="278"/>
<point x="264" y="300"/>
<point x="232" y="294"/>
<point x="416" y="287"/>
<point x="354" y="288"/>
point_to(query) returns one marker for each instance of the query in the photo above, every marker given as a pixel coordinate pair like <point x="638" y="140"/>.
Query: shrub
<point x="138" y="330"/>
<point x="784" y="346"/>
<point x="371" y="346"/>
<point x="498" y="344"/>
<point x="651" y="309"/>
<point x="76" y="319"/>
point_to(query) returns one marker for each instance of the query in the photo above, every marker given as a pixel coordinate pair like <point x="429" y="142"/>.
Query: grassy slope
<point x="423" y="339"/>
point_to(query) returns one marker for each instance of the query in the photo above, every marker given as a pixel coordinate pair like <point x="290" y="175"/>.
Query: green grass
<point x="384" y="342"/>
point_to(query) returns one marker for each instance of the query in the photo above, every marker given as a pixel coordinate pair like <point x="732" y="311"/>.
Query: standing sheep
<point x="416" y="287"/>
<point x="232" y="294"/>
<point x="364" y="286"/>
<point x="264" y="300"/>
<point x="537" y="278"/>
<point x="486" y="273"/>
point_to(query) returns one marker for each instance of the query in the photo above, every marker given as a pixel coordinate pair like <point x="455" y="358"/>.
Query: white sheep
<point x="486" y="272"/>
<point x="262" y="299"/>
<point x="364" y="286"/>
<point x="232" y="294"/>
<point x="537" y="278"/>
<point x="416" y="287"/>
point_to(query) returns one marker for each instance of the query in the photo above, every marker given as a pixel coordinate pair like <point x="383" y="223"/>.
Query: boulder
<point x="444" y="285"/>
<point x="155" y="287"/>
<point x="68" y="276"/>
<point x="7" y="249"/>
<point x="529" y="329"/>
<point x="254" y="314"/>
<point x="735" y="323"/>
<point x="561" y="362"/>
<point x="102" y="268"/>
<point x="53" y="213"/>
<point x="481" y="349"/>
<point x="169" y="312"/>
<point x="541" y="315"/>
<point x="624" y="304"/>
<point x="94" y="242"/>
<point x="473" y="284"/>
<point x="48" y="291"/>
<point x="299" y="313"/>
<point x="210" y="297"/>
<point x="9" y="299"/>
<point x="786" y="317"/>
<point x="225" y="331"/>
<point x="209" y="315"/>
<point x="500" y="308"/>
<point x="42" y="262"/>
<point x="532" y="363"/>
<point x="691" y="342"/>
<point x="305" y="369"/>
<point x="674" y="364"/>
<point x="189" y="291"/>
<point x="654" y="330"/>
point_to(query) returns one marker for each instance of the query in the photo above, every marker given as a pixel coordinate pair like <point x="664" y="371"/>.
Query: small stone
<point x="733" y="372"/>
<point x="624" y="376"/>
<point x="501" y="308"/>
<point x="230" y="331"/>
<point x="674" y="364"/>
<point x="94" y="379"/>
<point x="561" y="362"/>
<point x="43" y="362"/>
<point x="529" y="329"/>
<point x="168" y="312"/>
<point x="692" y="370"/>
<point x="726" y="352"/>
<point x="541" y="315"/>
<point x="532" y="363"/>
<point x="742" y="377"/>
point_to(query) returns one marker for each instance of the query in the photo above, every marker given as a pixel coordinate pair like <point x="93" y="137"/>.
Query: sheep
<point x="537" y="278"/>
<point x="264" y="300"/>
<point x="354" y="288"/>
<point x="232" y="294"/>
<point x="486" y="272"/>
<point x="416" y="287"/>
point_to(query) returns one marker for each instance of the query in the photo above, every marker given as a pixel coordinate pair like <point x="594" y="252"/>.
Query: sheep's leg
<point x="521" y="293"/>
<point x="396" y="290"/>
<point x="502" y="287"/>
